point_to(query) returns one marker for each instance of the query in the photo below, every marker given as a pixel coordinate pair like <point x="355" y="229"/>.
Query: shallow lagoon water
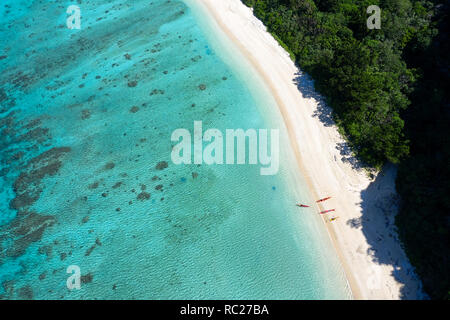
<point x="86" y="177"/>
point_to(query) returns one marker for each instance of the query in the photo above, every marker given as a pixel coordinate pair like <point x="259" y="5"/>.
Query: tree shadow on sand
<point x="379" y="207"/>
<point x="348" y="156"/>
<point x="305" y="85"/>
<point x="379" y="204"/>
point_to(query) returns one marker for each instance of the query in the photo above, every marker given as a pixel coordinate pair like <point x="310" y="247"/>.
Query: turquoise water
<point x="86" y="176"/>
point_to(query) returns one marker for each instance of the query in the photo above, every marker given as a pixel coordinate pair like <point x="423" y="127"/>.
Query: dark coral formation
<point x="93" y="186"/>
<point x="97" y="243"/>
<point x="117" y="185"/>
<point x="132" y="84"/>
<point x="85" y="114"/>
<point x="110" y="165"/>
<point x="162" y="165"/>
<point x="87" y="278"/>
<point x="25" y="293"/>
<point x="18" y="139"/>
<point x="143" y="196"/>
<point x="134" y="109"/>
<point x="27" y="185"/>
<point x="28" y="226"/>
<point x="156" y="91"/>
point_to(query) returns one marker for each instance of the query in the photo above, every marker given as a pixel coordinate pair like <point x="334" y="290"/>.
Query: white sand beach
<point x="364" y="236"/>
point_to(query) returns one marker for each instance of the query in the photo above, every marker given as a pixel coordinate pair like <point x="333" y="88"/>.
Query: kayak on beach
<point x="324" y="199"/>
<point x="302" y="205"/>
<point x="326" y="211"/>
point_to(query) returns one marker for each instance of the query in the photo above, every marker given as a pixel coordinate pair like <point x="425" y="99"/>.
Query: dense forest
<point x="389" y="91"/>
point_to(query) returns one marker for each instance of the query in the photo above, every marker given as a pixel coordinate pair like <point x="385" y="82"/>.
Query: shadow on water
<point x="379" y="204"/>
<point x="379" y="207"/>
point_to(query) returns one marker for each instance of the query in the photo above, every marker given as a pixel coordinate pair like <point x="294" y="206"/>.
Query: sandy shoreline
<point x="364" y="235"/>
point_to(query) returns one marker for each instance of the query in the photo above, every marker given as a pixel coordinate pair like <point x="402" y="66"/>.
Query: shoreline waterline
<point x="371" y="254"/>
<point x="207" y="8"/>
